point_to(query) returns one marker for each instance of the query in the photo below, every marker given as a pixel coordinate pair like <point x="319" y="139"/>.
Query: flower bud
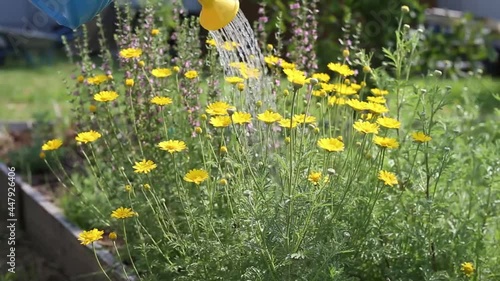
<point x="286" y="93"/>
<point x="80" y="79"/>
<point x="176" y="69"/>
<point x="112" y="236"/>
<point x="313" y="81"/>
<point x="240" y="86"/>
<point x="231" y="111"/>
<point x="367" y="69"/>
<point x="155" y="32"/>
<point x="92" y="108"/>
<point x="141" y="63"/>
<point x="405" y="9"/>
<point x="223" y="149"/>
<point x="270" y="47"/>
<point x="345" y="53"/>
<point x="223" y="181"/>
<point x="198" y="130"/>
<point x="129" y="82"/>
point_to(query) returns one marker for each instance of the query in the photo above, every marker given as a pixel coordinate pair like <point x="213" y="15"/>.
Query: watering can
<point x="71" y="13"/>
<point x="215" y="14"/>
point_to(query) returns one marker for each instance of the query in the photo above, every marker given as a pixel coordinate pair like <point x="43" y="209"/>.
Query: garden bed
<point x="53" y="238"/>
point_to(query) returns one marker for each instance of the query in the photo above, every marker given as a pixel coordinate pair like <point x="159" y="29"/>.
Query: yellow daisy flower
<point x="88" y="237"/>
<point x="249" y="72"/>
<point x="218" y="108"/>
<point x="98" y="79"/>
<point x="379" y="92"/>
<point x="241" y="118"/>
<point x="130" y="53"/>
<point x="388" y="178"/>
<point x="467" y="268"/>
<point x="323" y="77"/>
<point x="105" y="96"/>
<point x="366" y="127"/>
<point x="52" y="144"/>
<point x="269" y="117"/>
<point x="296" y="77"/>
<point x="304" y="119"/>
<point x="377" y="99"/>
<point x="230" y="46"/>
<point x="288" y="123"/>
<point x="343" y="89"/>
<point x="161" y="72"/>
<point x="123" y="213"/>
<point x="314" y="177"/>
<point x="386" y="142"/>
<point x="287" y="65"/>
<point x="341" y="69"/>
<point x="333" y="100"/>
<point x="388" y="122"/>
<point x="327" y="87"/>
<point x="331" y="144"/>
<point x="161" y="100"/>
<point x="271" y="60"/>
<point x="234" y="80"/>
<point x="319" y="93"/>
<point x="172" y="146"/>
<point x="196" y="176"/>
<point x="377" y="108"/>
<point x="86" y="137"/>
<point x="211" y="42"/>
<point x="220" y="121"/>
<point x="357" y="104"/>
<point x="191" y="74"/>
<point x="421" y="137"/>
<point x="144" y="166"/>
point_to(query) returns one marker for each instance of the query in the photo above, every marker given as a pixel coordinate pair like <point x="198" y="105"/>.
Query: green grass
<point x="479" y="91"/>
<point x="28" y="91"/>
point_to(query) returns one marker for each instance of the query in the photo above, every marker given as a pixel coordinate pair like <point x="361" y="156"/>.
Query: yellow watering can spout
<point x="215" y="14"/>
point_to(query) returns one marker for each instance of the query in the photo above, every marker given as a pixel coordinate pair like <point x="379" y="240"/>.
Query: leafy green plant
<point x="329" y="180"/>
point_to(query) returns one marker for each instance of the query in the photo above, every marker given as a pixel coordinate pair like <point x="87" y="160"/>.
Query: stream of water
<point x="240" y="55"/>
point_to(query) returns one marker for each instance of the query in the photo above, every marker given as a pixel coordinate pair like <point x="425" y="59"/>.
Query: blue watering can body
<point x="71" y="13"/>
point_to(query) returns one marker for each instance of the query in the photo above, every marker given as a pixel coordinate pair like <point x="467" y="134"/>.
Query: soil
<point x="30" y="264"/>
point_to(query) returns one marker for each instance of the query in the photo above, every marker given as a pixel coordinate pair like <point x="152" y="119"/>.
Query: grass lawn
<point x="472" y="91"/>
<point x="28" y="91"/>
